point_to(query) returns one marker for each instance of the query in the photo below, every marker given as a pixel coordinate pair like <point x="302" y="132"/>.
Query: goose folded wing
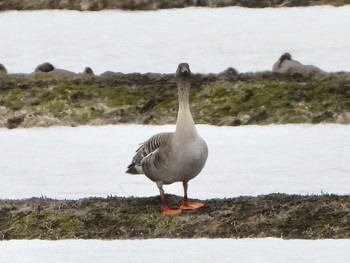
<point x="146" y="148"/>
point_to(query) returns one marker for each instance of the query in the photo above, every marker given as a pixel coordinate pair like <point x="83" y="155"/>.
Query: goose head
<point x="183" y="72"/>
<point x="285" y="56"/>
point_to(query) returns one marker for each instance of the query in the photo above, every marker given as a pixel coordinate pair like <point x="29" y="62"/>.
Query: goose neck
<point x="183" y="95"/>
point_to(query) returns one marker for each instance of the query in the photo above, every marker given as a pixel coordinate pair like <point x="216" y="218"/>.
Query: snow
<point x="64" y="162"/>
<point x="210" y="40"/>
<point x="169" y="250"/>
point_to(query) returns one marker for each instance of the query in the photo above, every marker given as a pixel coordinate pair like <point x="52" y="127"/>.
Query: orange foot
<point x="191" y="205"/>
<point x="172" y="212"/>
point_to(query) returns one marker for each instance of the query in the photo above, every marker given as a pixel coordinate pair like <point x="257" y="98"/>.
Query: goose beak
<point x="185" y="72"/>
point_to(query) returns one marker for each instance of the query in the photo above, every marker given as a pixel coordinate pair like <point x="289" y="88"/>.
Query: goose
<point x="286" y="64"/>
<point x="178" y="156"/>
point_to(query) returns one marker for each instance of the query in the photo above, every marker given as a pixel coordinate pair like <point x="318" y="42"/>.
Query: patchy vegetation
<point x="45" y="99"/>
<point x="96" y="5"/>
<point x="274" y="215"/>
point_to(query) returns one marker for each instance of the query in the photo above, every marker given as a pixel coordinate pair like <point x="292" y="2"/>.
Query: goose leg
<point x="166" y="209"/>
<point x="187" y="204"/>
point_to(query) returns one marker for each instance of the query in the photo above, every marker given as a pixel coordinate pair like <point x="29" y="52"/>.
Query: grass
<point x="274" y="215"/>
<point x="260" y="98"/>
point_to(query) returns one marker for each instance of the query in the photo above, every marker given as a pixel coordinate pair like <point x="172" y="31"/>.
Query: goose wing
<point x="147" y="148"/>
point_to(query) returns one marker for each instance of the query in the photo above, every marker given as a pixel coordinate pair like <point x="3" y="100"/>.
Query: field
<point x="278" y="144"/>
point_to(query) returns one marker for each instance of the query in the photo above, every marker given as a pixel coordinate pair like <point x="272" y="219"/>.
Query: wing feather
<point x="146" y="148"/>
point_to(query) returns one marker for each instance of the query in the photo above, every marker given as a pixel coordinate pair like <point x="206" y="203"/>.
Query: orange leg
<point x="166" y="209"/>
<point x="187" y="204"/>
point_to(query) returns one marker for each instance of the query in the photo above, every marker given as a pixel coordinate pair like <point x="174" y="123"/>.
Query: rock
<point x="3" y="70"/>
<point x="287" y="65"/>
<point x="44" y="67"/>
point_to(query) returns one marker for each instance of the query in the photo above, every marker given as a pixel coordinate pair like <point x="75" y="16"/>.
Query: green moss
<point x="14" y="99"/>
<point x="65" y="222"/>
<point x="334" y="2"/>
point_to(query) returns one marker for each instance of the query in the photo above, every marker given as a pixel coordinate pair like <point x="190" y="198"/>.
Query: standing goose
<point x="177" y="156"/>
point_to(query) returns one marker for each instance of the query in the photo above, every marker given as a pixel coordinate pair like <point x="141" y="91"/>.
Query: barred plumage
<point x="146" y="148"/>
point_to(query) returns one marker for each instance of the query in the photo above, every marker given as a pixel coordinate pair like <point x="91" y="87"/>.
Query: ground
<point x="45" y="99"/>
<point x="274" y="215"/>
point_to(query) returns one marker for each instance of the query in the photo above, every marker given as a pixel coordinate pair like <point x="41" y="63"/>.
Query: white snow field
<point x="210" y="40"/>
<point x="65" y="162"/>
<point x="269" y="250"/>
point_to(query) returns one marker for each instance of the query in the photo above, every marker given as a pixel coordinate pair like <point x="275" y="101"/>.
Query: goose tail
<point x="133" y="168"/>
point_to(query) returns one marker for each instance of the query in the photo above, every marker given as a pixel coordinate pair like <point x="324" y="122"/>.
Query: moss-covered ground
<point x="251" y="98"/>
<point x="274" y="215"/>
